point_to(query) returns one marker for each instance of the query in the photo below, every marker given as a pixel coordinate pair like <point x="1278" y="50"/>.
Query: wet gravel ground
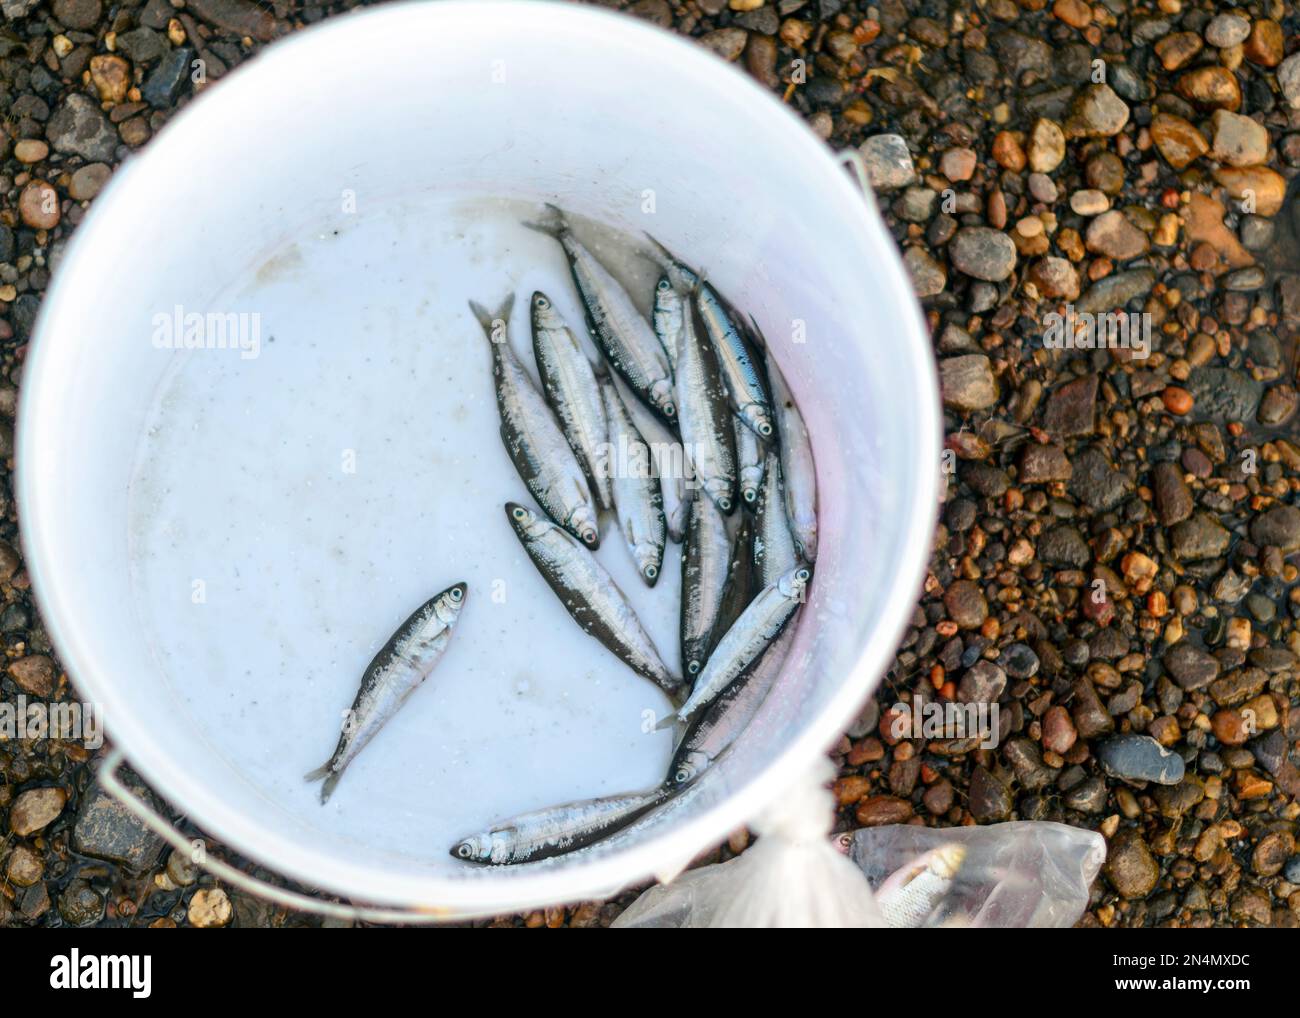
<point x="1113" y="565"/>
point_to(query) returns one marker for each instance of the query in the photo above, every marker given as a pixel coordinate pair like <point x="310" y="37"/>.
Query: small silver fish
<point x="798" y="473"/>
<point x="667" y="457"/>
<point x="571" y="389"/>
<point x="590" y="595"/>
<point x="738" y="361"/>
<point x="556" y="829"/>
<point x="638" y="500"/>
<point x="774" y="551"/>
<point x="669" y="309"/>
<point x="742" y="581"/>
<point x="909" y="896"/>
<point x="757" y="627"/>
<point x="535" y="443"/>
<point x="723" y="721"/>
<point x="624" y="336"/>
<point x="751" y="460"/>
<point x="706" y="556"/>
<point x="399" y="668"/>
<point x="703" y="415"/>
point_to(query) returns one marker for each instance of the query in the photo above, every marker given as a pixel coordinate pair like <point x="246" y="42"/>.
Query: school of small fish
<point x="694" y="373"/>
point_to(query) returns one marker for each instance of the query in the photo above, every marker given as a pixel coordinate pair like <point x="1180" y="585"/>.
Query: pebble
<point x="1264" y="187"/>
<point x="111" y="76"/>
<point x="888" y="162"/>
<point x="1224" y="395"/>
<point x="1113" y="235"/>
<point x="79" y="14"/>
<point x="1046" y="146"/>
<point x="1178" y="140"/>
<point x="1096" y="112"/>
<point x="983" y="253"/>
<point x="1191" y="667"/>
<point x="38" y="205"/>
<point x="210" y="908"/>
<point x="80" y="128"/>
<point x="929" y="277"/>
<point x="1238" y="140"/>
<point x="163" y="85"/>
<point x="24" y="867"/>
<point x="958" y="164"/>
<point x="983" y="682"/>
<point x="1288" y="79"/>
<point x="1055" y="278"/>
<point x="89" y="180"/>
<point x="967" y="382"/>
<point x="1265" y="44"/>
<point x="34" y="674"/>
<point x="1173" y="497"/>
<point x="877" y="810"/>
<point x="35" y="809"/>
<point x="1059" y="734"/>
<point x="965" y="604"/>
<point x="31" y="150"/>
<point x="1279" y="527"/>
<point x="1139" y="758"/>
<point x="1226" y="30"/>
<point x="990" y="799"/>
<point x="1040" y="464"/>
<point x="80" y="904"/>
<point x="1210" y="87"/>
<point x="106" y="829"/>
<point x="1115" y="291"/>
<point x="1089" y="202"/>
<point x="1130" y="866"/>
<point x="1071" y="409"/>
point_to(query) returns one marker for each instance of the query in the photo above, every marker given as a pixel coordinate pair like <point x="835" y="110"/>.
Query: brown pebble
<point x="38" y="204"/>
<point x="1177" y="400"/>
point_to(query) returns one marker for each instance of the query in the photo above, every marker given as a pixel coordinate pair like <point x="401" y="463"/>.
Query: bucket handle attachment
<point x="852" y="159"/>
<point x="109" y="780"/>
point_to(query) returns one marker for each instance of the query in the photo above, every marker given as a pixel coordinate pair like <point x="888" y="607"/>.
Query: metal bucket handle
<point x="109" y="780"/>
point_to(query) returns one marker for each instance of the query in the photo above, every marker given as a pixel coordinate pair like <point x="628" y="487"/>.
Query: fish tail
<point x="667" y="722"/>
<point x="331" y="779"/>
<point x="555" y="227"/>
<point x="487" y="319"/>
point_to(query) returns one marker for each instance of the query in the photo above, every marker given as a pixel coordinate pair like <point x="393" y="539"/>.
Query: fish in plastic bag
<point x="1011" y="875"/>
<point x="1017" y="875"/>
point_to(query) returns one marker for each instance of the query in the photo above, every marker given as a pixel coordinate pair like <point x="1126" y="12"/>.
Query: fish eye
<point x="589" y="536"/>
<point x="456" y="594"/>
<point x="540" y="301"/>
<point x="463" y="850"/>
<point x="682" y="776"/>
<point x="693" y="667"/>
<point x="670" y="409"/>
<point x="724" y="504"/>
<point x="802" y="575"/>
<point x="520" y="513"/>
<point x="651" y="572"/>
<point x="765" y="429"/>
<point x="664" y="284"/>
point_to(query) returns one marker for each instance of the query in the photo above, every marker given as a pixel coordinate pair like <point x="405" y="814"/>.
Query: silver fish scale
<point x="757" y="626"/>
<point x="704" y="417"/>
<point x="556" y="829"/>
<point x="668" y="315"/>
<point x="538" y="448"/>
<point x="627" y="339"/>
<point x="637" y="498"/>
<point x="593" y="599"/>
<point x="572" y="391"/>
<point x="706" y="559"/>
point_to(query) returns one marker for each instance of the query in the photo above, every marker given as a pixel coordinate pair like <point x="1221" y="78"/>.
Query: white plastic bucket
<point x="542" y="102"/>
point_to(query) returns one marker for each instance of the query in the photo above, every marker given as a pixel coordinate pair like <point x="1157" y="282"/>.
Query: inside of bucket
<point x="243" y="530"/>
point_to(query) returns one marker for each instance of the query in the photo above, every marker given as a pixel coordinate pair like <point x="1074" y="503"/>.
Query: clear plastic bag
<point x="1011" y="875"/>
<point x="1016" y="875"/>
<point x="793" y="876"/>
